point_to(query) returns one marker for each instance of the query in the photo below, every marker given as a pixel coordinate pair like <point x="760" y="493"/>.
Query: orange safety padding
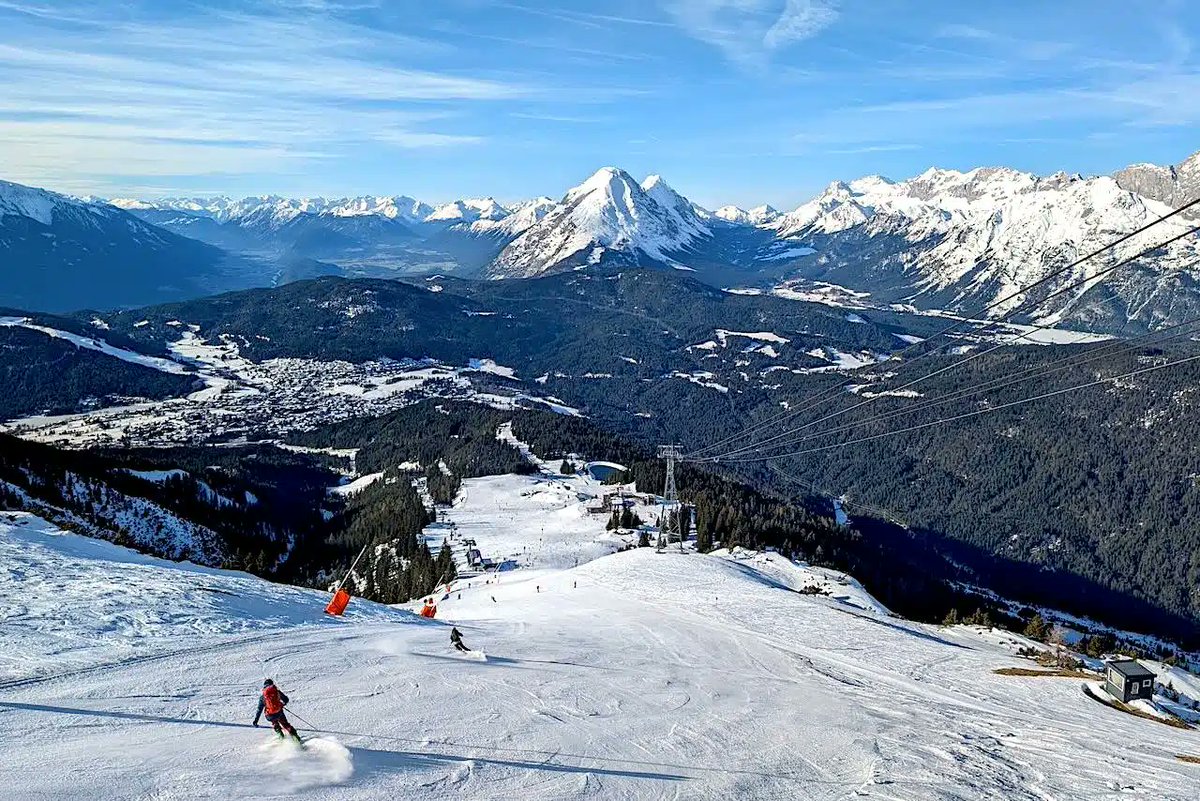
<point x="341" y="599"/>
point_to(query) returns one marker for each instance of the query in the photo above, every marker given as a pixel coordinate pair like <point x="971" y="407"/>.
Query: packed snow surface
<point x="636" y="675"/>
<point x="356" y="486"/>
<point x="70" y="603"/>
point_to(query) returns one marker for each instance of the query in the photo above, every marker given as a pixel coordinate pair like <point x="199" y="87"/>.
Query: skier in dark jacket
<point x="456" y="638"/>
<point x="272" y="702"/>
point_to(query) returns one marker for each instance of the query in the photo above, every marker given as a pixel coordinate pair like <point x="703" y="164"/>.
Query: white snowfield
<point x="636" y="675"/>
<point x="70" y="603"/>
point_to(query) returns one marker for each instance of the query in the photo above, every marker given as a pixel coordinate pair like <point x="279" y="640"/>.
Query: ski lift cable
<point x="881" y="513"/>
<point x="1001" y="383"/>
<point x="1115" y="347"/>
<point x="976" y="413"/>
<point x="960" y="363"/>
<point x="971" y="318"/>
<point x="785" y="434"/>
<point x="1120" y="345"/>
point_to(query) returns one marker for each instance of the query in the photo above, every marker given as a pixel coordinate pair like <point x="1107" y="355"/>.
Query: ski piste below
<point x="634" y="675"/>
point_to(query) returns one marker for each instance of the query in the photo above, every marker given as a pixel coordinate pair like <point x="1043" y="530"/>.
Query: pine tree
<point x="980" y="617"/>
<point x="444" y="567"/>
<point x="1037" y="628"/>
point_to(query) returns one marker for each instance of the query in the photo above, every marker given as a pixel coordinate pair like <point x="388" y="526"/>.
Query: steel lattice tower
<point x="670" y="497"/>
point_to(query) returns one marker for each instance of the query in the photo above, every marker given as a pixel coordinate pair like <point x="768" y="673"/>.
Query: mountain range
<point x="960" y="241"/>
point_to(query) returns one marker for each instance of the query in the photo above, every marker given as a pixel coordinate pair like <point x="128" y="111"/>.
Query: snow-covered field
<point x="69" y="602"/>
<point x="636" y="675"/>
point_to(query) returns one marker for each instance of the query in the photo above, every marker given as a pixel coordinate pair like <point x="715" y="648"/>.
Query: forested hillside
<point x="43" y="375"/>
<point x="260" y="509"/>
<point x="1085" y="501"/>
<point x="547" y="325"/>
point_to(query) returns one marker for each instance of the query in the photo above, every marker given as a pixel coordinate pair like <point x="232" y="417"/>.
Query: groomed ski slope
<point x="634" y="676"/>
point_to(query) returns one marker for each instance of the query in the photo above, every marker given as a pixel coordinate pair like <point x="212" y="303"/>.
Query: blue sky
<point x="733" y="101"/>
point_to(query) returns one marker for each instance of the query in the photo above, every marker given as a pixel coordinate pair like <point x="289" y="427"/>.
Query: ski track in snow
<point x="98" y="345"/>
<point x="634" y="676"/>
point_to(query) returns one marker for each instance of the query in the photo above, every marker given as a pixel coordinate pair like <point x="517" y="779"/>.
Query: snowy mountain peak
<point x="685" y="214"/>
<point x="132" y="204"/>
<point x="1173" y="186"/>
<point x="25" y="201"/>
<point x="653" y="182"/>
<point x="759" y="215"/>
<point x="44" y="206"/>
<point x="610" y="210"/>
<point x="610" y="182"/>
<point x="524" y="215"/>
<point x="964" y="239"/>
<point x="391" y="207"/>
<point x="468" y="211"/>
<point x="734" y="214"/>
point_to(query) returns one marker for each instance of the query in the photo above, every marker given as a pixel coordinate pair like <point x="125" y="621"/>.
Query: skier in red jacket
<point x="272" y="702"/>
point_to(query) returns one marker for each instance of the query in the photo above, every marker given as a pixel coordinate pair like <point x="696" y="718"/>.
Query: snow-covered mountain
<point x="965" y="240"/>
<point x="468" y="211"/>
<point x="1174" y="186"/>
<point x="759" y="215"/>
<point x="65" y="253"/>
<point x="608" y="211"/>
<point x="275" y="211"/>
<point x="398" y="207"/>
<point x="383" y="234"/>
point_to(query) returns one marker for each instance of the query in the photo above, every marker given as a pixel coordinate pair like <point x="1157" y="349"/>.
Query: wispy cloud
<point x="547" y="117"/>
<point x="586" y="18"/>
<point x="218" y="92"/>
<point x="747" y="31"/>
<point x="1003" y="47"/>
<point x="1164" y="100"/>
<point x="888" y="148"/>
<point x="800" y="20"/>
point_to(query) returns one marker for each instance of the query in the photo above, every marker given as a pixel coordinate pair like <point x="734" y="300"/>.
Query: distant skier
<point x="272" y="702"/>
<point x="456" y="639"/>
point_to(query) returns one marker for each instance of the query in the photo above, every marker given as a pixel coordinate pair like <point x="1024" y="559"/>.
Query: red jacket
<point x="271" y="702"/>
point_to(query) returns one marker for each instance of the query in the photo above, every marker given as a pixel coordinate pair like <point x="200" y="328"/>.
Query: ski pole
<point x="302" y="720"/>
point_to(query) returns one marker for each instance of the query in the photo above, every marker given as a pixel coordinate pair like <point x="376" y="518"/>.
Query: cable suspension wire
<point x="807" y="403"/>
<point x="1113" y="348"/>
<point x="961" y="362"/>
<point x="976" y="413"/>
<point x="881" y="513"/>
